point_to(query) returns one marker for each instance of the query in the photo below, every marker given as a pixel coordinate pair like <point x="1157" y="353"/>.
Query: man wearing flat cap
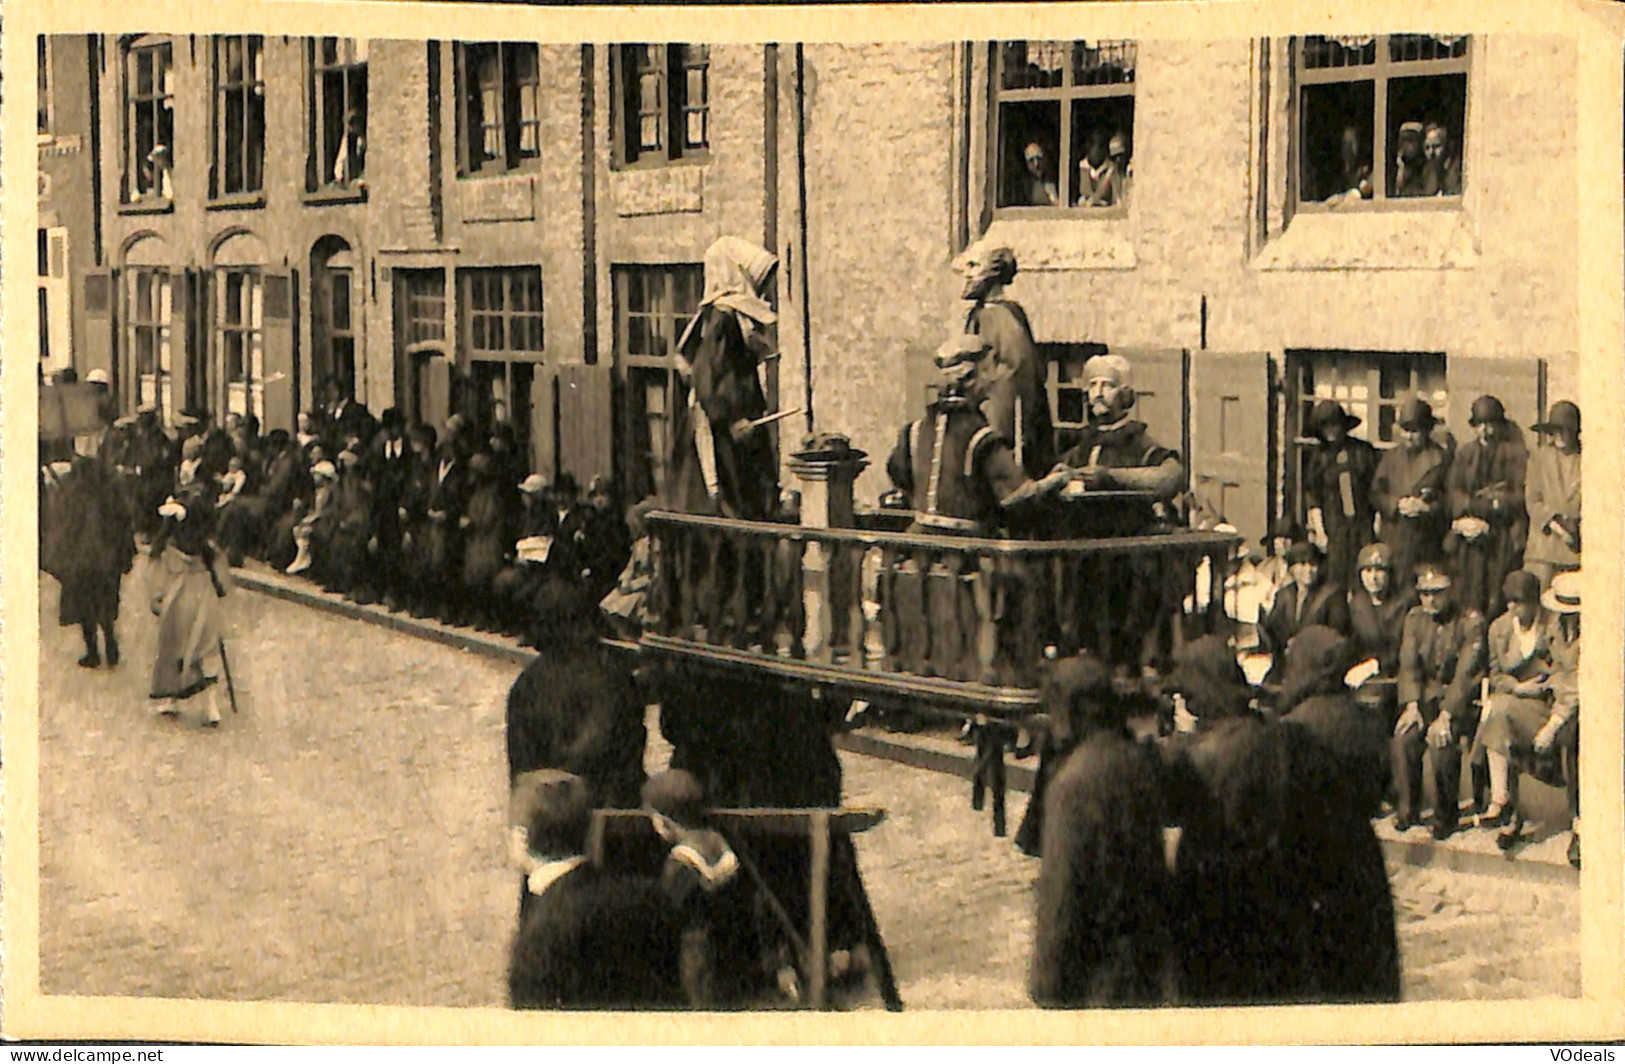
<point x="1490" y="524"/>
<point x="1011" y="374"/>
<point x="1441" y="660"/>
<point x="1408" y="493"/>
<point x="1337" y="489"/>
<point x="1552" y="496"/>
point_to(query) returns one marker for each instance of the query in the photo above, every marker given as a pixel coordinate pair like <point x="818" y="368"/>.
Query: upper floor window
<point x="664" y="93"/>
<point x="338" y="113"/>
<point x="44" y="74"/>
<point x="1063" y="120"/>
<point x="1380" y="117"/>
<point x="149" y="121"/>
<point x="239" y="118"/>
<point x="499" y="89"/>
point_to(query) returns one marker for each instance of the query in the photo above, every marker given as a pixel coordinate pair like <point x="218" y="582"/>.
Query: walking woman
<point x="191" y="583"/>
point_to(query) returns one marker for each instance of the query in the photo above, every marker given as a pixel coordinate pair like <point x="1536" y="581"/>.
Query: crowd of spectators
<point x="1453" y="574"/>
<point x="448" y="525"/>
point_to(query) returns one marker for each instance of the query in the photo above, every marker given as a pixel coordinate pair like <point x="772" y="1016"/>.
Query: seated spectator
<point x="306" y="435"/>
<point x="232" y="482"/>
<point x="1533" y="706"/>
<point x="1304" y="603"/>
<point x="486" y="540"/>
<point x="1273" y="569"/>
<point x="324" y="478"/>
<point x="344" y="555"/>
<point x="627" y="604"/>
<point x="1441" y="166"/>
<point x="280" y="546"/>
<point x="1441" y="660"/>
<point x="1376" y="622"/>
<point x="607" y="543"/>
<point x="515" y="588"/>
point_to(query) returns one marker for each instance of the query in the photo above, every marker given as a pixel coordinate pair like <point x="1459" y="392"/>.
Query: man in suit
<point x="345" y="417"/>
<point x="390" y="468"/>
<point x="1441" y="660"/>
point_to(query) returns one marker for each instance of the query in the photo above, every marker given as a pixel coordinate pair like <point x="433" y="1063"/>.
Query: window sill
<point x="1070" y="240"/>
<point x="148" y="207"/>
<point x="337" y="194"/>
<point x="237" y="202"/>
<point x="663" y="164"/>
<point x="1374" y="239"/>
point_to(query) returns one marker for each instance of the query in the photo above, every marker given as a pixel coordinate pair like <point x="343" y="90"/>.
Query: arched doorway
<point x="237" y="368"/>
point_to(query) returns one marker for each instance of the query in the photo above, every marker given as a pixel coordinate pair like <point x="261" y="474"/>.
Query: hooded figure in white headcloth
<point x="722" y="460"/>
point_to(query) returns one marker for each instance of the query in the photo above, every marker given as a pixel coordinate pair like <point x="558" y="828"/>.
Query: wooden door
<point x="1231" y="406"/>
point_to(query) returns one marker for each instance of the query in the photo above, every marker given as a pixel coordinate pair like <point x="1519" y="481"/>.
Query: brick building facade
<point x="515" y="229"/>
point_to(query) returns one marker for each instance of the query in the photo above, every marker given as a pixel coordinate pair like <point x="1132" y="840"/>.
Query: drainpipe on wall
<point x="801" y="198"/>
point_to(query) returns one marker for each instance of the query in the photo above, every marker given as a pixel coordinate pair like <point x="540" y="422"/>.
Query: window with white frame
<point x="338" y="113"/>
<point x="149" y="302"/>
<point x="653" y="306"/>
<point x="1063" y="124"/>
<point x="1380" y="118"/>
<point x="149" y="116"/>
<point x="239" y="118"/>
<point x="664" y="102"/>
<point x="499" y="86"/>
<point x="240" y="338"/>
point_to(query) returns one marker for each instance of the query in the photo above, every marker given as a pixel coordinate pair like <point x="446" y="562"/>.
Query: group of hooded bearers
<point x="1278" y="890"/>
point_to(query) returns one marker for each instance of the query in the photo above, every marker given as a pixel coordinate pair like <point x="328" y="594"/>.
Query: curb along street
<point x="1469" y="851"/>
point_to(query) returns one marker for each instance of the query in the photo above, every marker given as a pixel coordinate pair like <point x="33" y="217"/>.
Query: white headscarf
<point x="735" y="270"/>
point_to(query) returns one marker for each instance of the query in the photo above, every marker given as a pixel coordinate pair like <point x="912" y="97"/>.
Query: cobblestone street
<point x="340" y="840"/>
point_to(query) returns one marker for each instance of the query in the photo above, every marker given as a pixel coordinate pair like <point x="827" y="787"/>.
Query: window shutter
<point x="434" y="391"/>
<point x="100" y="323"/>
<point x="1518" y="381"/>
<point x="586" y="416"/>
<point x="1230" y="437"/>
<point x="278" y="330"/>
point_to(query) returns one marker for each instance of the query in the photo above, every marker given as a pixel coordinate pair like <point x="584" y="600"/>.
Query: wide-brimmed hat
<point x="1487" y="408"/>
<point x="324" y="469"/>
<point x="567" y="484"/>
<point x="1564" y="416"/>
<point x="1564" y="594"/>
<point x="1416" y="414"/>
<point x="1285" y="527"/>
<point x="99" y="376"/>
<point x="1327" y="411"/>
<point x="534" y="484"/>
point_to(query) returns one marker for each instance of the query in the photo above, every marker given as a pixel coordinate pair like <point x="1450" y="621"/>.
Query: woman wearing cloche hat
<point x="1552" y="494"/>
<point x="1337" y="490"/>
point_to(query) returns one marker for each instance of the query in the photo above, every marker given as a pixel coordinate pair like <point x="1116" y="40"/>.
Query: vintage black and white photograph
<point x="854" y="526"/>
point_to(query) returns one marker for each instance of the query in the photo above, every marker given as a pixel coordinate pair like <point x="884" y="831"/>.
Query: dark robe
<point x="1487" y="481"/>
<point x="727" y="389"/>
<point x="1411" y="539"/>
<point x="485" y="539"/>
<point x="1017" y="405"/>
<point x="1281" y="890"/>
<point x="1338" y="483"/>
<point x="93" y="544"/>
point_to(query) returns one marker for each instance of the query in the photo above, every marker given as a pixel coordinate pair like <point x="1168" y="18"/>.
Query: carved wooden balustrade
<point x="954" y="622"/>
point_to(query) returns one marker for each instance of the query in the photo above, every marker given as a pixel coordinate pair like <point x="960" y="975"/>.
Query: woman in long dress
<point x="191" y="584"/>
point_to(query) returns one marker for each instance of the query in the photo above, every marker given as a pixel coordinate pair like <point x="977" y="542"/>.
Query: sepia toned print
<point x="864" y="527"/>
